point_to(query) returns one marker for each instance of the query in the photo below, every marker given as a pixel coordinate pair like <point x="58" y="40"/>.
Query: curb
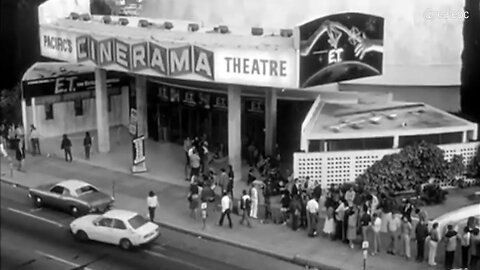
<point x="297" y="260"/>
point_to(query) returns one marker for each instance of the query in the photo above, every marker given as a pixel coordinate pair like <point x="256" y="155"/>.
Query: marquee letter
<point x="180" y="61"/>
<point x="204" y="63"/>
<point x="158" y="58"/>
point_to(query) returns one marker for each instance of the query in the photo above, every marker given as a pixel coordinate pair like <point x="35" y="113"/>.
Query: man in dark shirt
<point x="365" y="222"/>
<point x="67" y="146"/>
<point x="421" y="233"/>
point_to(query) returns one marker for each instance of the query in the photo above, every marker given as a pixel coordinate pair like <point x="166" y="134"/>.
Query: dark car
<point x="73" y="196"/>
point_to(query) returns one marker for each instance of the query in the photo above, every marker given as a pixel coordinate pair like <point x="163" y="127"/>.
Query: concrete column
<point x="235" y="129"/>
<point x="464" y="137"/>
<point x="34" y="112"/>
<point x="270" y="121"/>
<point x="141" y="100"/>
<point x="125" y="106"/>
<point x="396" y="140"/>
<point x="101" y="104"/>
<point x="26" y="129"/>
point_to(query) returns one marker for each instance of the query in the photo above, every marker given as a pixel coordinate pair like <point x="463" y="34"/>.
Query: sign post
<point x="365" y="254"/>
<point x="138" y="145"/>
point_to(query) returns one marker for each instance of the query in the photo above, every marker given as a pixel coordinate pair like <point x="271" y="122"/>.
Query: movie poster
<point x="138" y="157"/>
<point x="340" y="47"/>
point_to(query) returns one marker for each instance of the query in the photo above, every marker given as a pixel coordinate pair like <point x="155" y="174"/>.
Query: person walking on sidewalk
<point x="245" y="205"/>
<point x="66" y="146"/>
<point x="254" y="198"/>
<point x="152" y="203"/>
<point x="421" y="234"/>
<point x="20" y="154"/>
<point x="87" y="144"/>
<point x="433" y="244"/>
<point x="34" y="139"/>
<point x="312" y="216"/>
<point x="226" y="209"/>
<point x="230" y="182"/>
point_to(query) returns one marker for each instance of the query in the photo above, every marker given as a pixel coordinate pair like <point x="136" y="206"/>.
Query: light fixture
<point x="286" y="32"/>
<point x="85" y="17"/>
<point x="106" y="19"/>
<point x="123" y="21"/>
<point x="74" y="16"/>
<point x="143" y="23"/>
<point x="193" y="27"/>
<point x="168" y="25"/>
<point x="257" y="31"/>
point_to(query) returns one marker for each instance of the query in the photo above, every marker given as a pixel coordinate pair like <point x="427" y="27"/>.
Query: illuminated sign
<point x="146" y="55"/>
<point x="257" y="67"/>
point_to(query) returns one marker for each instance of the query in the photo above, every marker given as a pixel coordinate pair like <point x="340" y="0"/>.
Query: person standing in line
<point x="203" y="207"/>
<point x="193" y="197"/>
<point x="393" y="225"/>
<point x="34" y="138"/>
<point x="295" y="211"/>
<point x="152" y="203"/>
<point x="194" y="159"/>
<point x="329" y="224"/>
<point x="187" y="145"/>
<point x="350" y="196"/>
<point x="245" y="205"/>
<point x="87" y="144"/>
<point x="254" y="198"/>
<point x="451" y="238"/>
<point x="406" y="232"/>
<point x="475" y="248"/>
<point x="433" y="244"/>
<point x="365" y="222"/>
<point x="312" y="216"/>
<point x="230" y="182"/>
<point x="352" y="219"/>
<point x="66" y="146"/>
<point x="376" y="227"/>
<point x="465" y="239"/>
<point x="223" y="181"/>
<point x="407" y="210"/>
<point x="267" y="193"/>
<point x="422" y="215"/>
<point x="421" y="234"/>
<point x="226" y="209"/>
<point x="339" y="216"/>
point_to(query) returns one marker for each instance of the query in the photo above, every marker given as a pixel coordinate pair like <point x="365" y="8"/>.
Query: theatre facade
<point x="183" y="78"/>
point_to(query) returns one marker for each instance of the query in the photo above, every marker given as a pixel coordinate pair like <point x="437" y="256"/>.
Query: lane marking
<point x="36" y="217"/>
<point x="58" y="259"/>
<point x="35" y="210"/>
<point x="158" y="247"/>
<point x="194" y="266"/>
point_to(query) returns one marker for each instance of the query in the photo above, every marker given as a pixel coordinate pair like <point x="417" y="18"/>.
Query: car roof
<point x="73" y="184"/>
<point x="120" y="214"/>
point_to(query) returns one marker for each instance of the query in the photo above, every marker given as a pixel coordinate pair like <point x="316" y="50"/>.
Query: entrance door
<point x="254" y="129"/>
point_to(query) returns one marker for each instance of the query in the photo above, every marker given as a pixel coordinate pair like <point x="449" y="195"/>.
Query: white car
<point x="457" y="218"/>
<point x="118" y="227"/>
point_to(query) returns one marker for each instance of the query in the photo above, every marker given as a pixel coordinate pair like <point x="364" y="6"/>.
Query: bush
<point x="433" y="194"/>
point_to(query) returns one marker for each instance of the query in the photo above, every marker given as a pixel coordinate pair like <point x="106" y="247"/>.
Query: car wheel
<point x="74" y="211"/>
<point x="81" y="236"/>
<point x="125" y="244"/>
<point x="37" y="201"/>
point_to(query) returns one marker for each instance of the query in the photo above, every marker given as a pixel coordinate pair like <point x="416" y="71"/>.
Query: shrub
<point x="433" y="194"/>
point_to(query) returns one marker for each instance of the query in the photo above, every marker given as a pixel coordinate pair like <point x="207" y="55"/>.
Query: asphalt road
<point x="39" y="239"/>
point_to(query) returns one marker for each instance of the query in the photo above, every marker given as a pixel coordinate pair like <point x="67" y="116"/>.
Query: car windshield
<point x="86" y="189"/>
<point x="137" y="221"/>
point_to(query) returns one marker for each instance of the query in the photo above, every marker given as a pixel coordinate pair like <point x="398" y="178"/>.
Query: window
<point x="57" y="190"/>
<point x="78" y="104"/>
<point x="360" y="144"/>
<point x="86" y="189"/>
<point x="118" y="224"/>
<point x="444" y="138"/>
<point x="105" y="222"/>
<point x="48" y="111"/>
<point x="137" y="221"/>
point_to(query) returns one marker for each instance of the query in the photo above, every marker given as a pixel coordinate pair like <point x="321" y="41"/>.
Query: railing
<point x="341" y="167"/>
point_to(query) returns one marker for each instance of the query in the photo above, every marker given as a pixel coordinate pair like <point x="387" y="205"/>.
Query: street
<point x="39" y="239"/>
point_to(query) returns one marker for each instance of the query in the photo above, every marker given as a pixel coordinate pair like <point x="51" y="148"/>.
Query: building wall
<point x="65" y="121"/>
<point x="446" y="98"/>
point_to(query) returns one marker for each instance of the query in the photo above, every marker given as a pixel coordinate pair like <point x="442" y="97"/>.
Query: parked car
<point x="119" y="227"/>
<point x="73" y="196"/>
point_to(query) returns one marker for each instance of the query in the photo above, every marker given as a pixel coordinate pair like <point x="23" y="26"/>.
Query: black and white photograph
<point x="239" y="134"/>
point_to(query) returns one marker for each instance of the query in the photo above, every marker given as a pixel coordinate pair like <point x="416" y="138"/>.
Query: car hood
<point x="96" y="198"/>
<point x="147" y="228"/>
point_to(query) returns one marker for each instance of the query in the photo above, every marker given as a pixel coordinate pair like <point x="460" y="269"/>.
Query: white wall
<point x="411" y="40"/>
<point x="65" y="121"/>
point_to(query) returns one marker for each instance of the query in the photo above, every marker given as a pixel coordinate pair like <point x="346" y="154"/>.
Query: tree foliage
<point x="100" y="7"/>
<point x="410" y="168"/>
<point x="10" y="105"/>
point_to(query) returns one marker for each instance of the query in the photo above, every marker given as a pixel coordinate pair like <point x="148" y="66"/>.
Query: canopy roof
<point x="46" y="70"/>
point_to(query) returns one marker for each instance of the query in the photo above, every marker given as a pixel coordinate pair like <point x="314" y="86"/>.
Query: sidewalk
<point x="275" y="240"/>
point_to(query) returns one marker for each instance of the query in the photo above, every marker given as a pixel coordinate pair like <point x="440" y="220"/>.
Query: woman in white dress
<point x="328" y="226"/>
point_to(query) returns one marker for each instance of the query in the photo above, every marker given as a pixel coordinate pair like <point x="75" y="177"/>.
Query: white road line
<point x="35" y="210"/>
<point x="36" y="217"/>
<point x="174" y="260"/>
<point x="58" y="259"/>
<point x="158" y="247"/>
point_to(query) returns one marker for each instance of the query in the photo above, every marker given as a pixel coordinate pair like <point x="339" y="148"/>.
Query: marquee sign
<point x="270" y="68"/>
<point x="340" y="47"/>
